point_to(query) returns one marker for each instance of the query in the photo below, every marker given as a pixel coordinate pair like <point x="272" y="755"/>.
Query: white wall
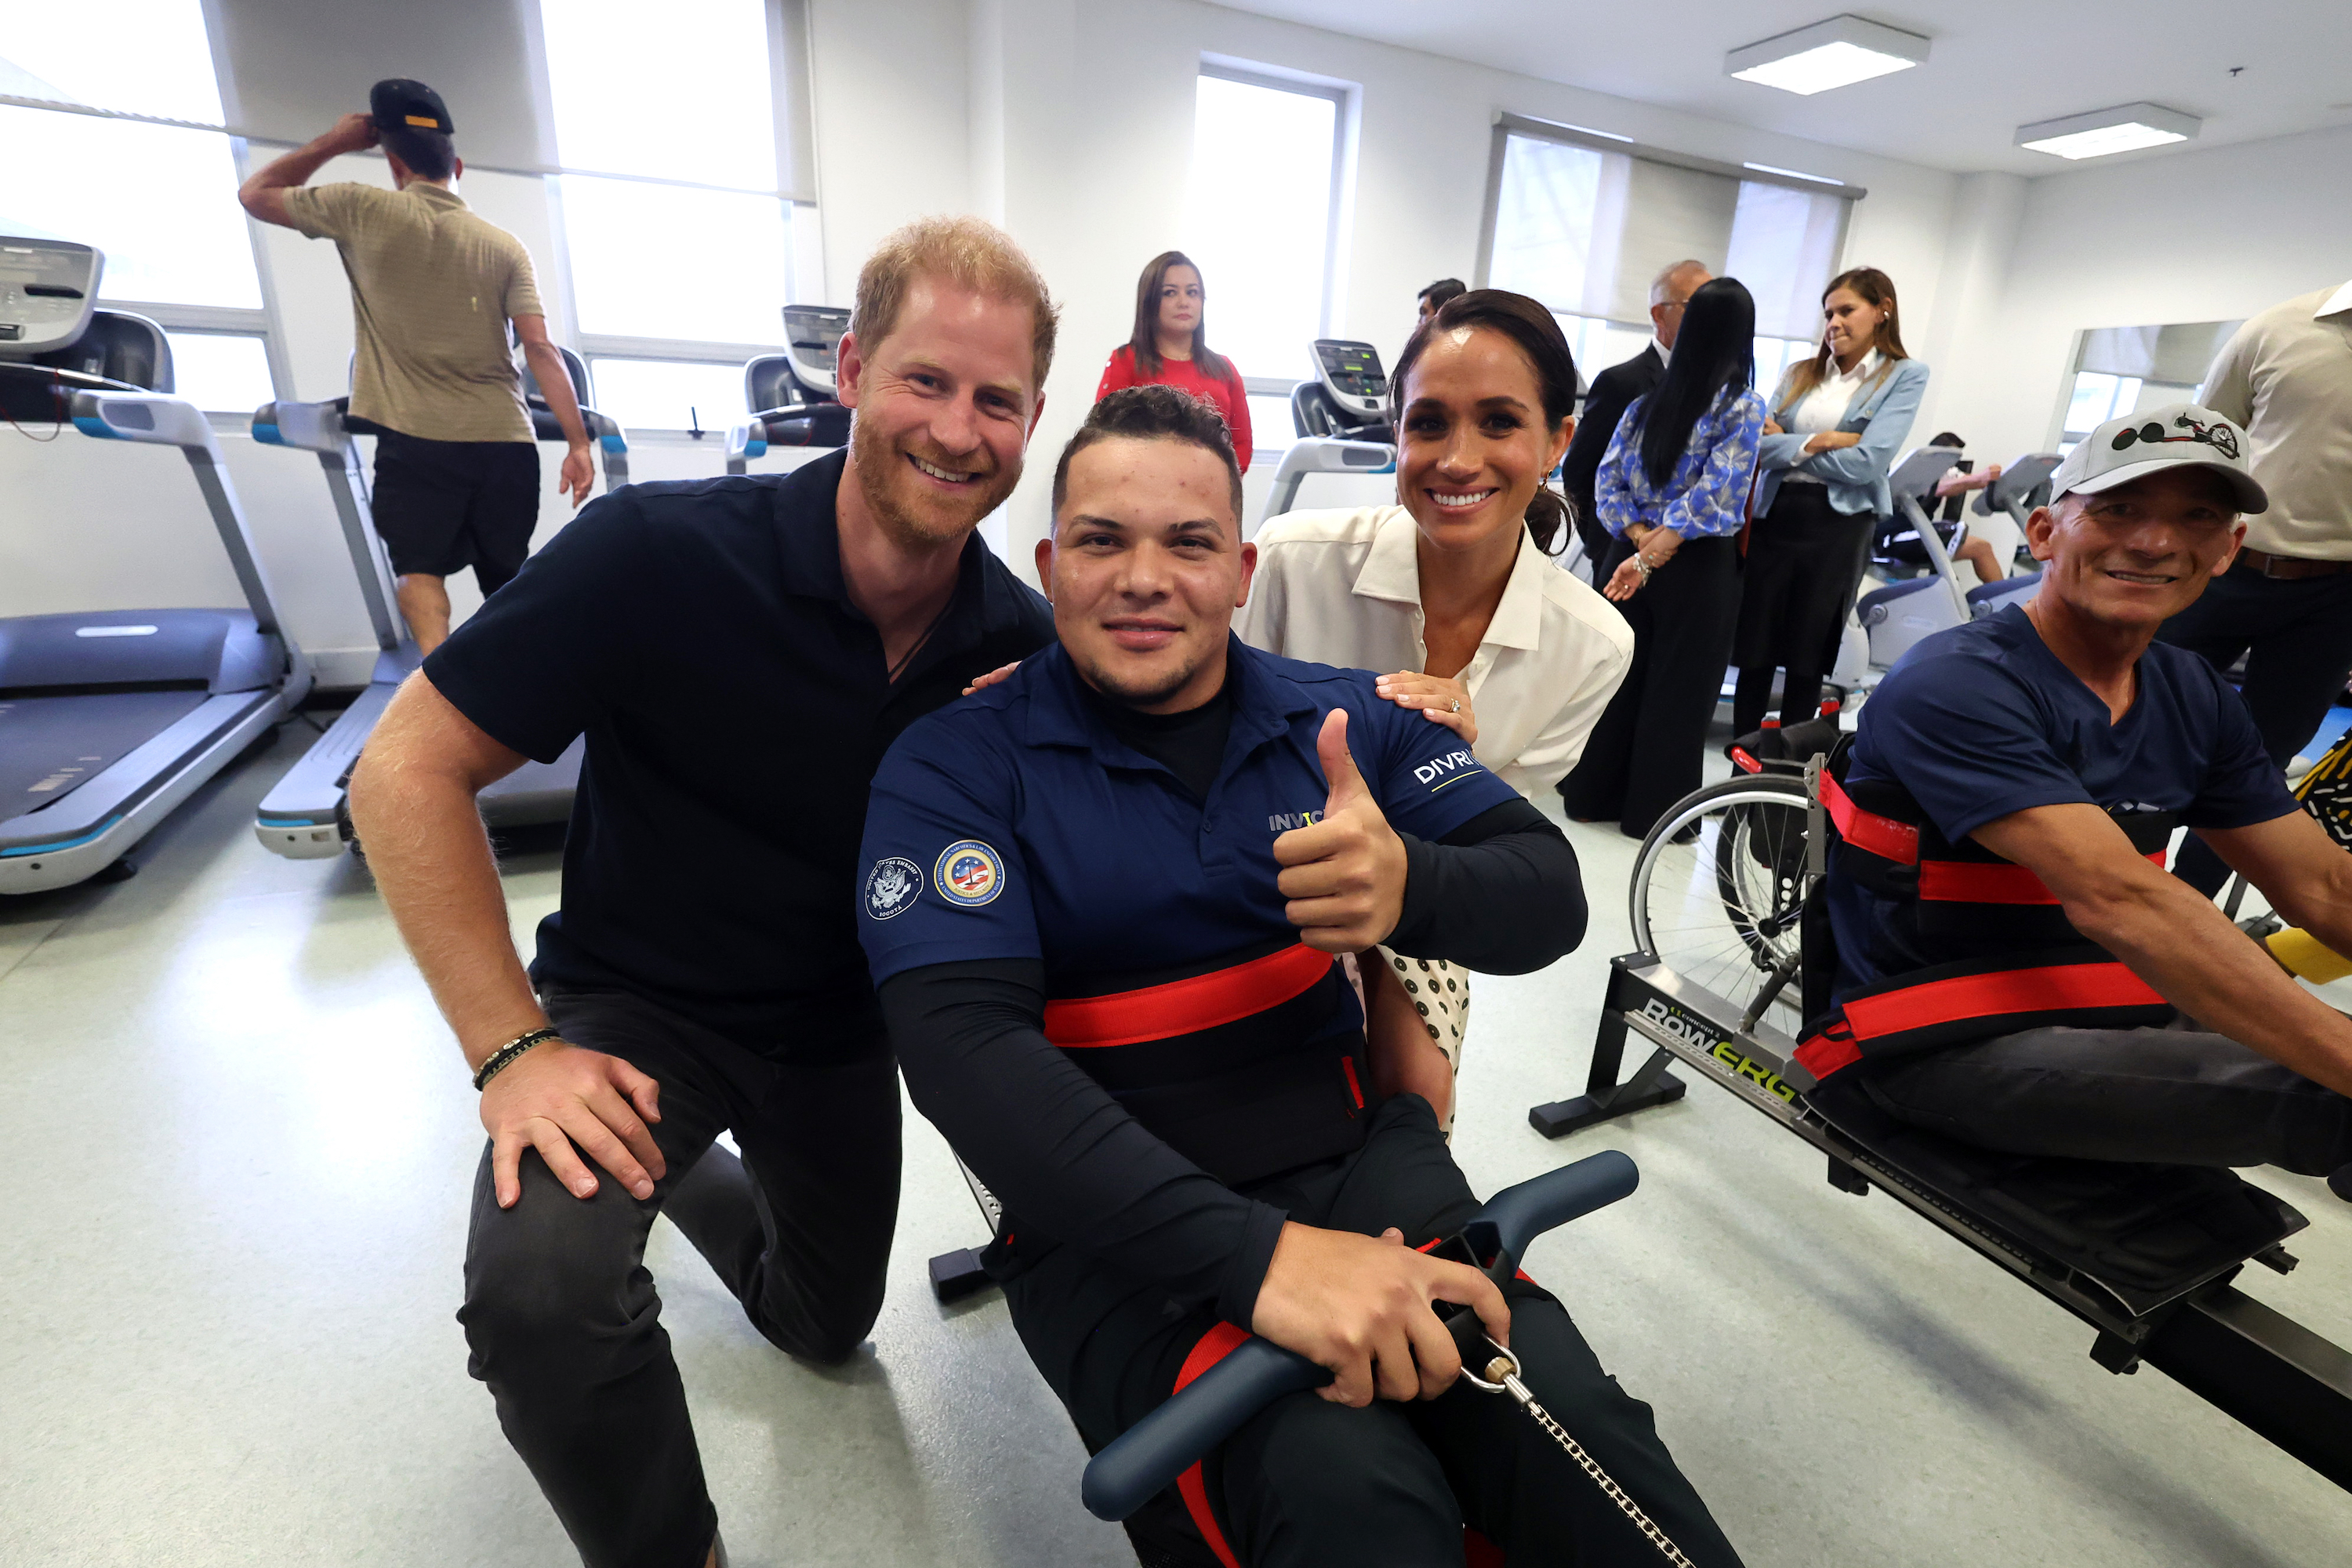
<point x="2195" y="237"/>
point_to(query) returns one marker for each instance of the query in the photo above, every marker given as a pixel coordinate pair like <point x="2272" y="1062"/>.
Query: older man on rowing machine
<point x="2015" y="968"/>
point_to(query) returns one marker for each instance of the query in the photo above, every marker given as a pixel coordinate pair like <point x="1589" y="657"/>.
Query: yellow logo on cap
<point x="427" y="120"/>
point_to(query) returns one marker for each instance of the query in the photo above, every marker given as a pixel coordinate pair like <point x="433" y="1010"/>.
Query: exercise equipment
<point x="794" y="396"/>
<point x="1340" y="419"/>
<point x="1146" y="1458"/>
<point x="306" y="815"/>
<point x="2023" y="485"/>
<point x="2144" y="1255"/>
<point x="113" y="718"/>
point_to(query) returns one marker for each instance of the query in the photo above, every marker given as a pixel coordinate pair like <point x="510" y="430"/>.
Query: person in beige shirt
<point x="2285" y="603"/>
<point x="433" y="290"/>
<point x="1453" y="592"/>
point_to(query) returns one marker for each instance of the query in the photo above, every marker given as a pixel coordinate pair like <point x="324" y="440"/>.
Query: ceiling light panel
<point x="1836" y="53"/>
<point x="2126" y="128"/>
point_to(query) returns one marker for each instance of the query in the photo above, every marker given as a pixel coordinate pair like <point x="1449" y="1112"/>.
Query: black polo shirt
<point x="735" y="706"/>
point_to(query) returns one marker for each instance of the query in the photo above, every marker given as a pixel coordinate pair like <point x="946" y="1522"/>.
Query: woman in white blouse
<point x="1452" y="591"/>
<point x="1837" y="422"/>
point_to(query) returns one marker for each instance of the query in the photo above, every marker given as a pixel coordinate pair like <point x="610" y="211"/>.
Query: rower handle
<point x="1148" y="1456"/>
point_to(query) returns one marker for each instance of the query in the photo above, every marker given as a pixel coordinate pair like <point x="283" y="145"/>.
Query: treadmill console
<point x="1351" y="375"/>
<point x="812" y="343"/>
<point x="47" y="290"/>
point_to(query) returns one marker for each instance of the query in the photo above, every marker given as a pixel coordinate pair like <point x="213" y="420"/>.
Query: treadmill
<point x="1341" y="420"/>
<point x="308" y="815"/>
<point x="792" y="395"/>
<point x="108" y="720"/>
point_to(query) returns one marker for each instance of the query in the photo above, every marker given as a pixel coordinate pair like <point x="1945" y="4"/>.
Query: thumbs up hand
<point x="1343" y="876"/>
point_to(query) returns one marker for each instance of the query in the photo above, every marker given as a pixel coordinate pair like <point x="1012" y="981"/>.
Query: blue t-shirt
<point x="1983" y="720"/>
<point x="1015" y="825"/>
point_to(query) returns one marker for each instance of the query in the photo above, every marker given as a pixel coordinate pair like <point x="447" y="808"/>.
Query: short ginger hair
<point x="966" y="251"/>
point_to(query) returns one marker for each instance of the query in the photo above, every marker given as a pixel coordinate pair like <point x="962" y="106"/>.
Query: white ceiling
<point x="1994" y="64"/>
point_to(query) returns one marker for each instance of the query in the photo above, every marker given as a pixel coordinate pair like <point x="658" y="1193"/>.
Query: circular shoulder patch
<point x="969" y="873"/>
<point x="892" y="886"/>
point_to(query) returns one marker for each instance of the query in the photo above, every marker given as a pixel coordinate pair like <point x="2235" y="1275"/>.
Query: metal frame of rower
<point x="2269" y="1372"/>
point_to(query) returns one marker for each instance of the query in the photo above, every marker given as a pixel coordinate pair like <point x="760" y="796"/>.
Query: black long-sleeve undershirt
<point x="1502" y="893"/>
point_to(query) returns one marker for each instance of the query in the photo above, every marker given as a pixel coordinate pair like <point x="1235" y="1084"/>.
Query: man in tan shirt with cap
<point x="2286" y="603"/>
<point x="433" y="290"/>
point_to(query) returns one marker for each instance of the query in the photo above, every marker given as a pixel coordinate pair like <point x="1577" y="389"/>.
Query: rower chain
<point x="1592" y="1466"/>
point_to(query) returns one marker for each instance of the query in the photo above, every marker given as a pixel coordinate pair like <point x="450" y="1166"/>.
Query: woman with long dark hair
<point x="1453" y="591"/>
<point x="1169" y="347"/>
<point x="1837" y="422"/>
<point x="1673" y="493"/>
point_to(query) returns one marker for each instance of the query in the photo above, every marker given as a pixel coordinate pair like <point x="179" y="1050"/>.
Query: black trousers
<point x="2296" y="635"/>
<point x="1804" y="560"/>
<point x="1644" y="753"/>
<point x="563" y="1321"/>
<point x="443" y="505"/>
<point x="1307" y="1481"/>
<point x="2178" y="1095"/>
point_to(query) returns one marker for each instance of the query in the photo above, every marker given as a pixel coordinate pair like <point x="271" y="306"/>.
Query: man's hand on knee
<point x="1364" y="1307"/>
<point x="557" y="1095"/>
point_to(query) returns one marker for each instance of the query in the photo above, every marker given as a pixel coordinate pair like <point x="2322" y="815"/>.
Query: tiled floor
<point x="240" y="1145"/>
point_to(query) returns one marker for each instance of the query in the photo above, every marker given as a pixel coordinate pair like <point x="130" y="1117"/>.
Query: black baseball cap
<point x="400" y="104"/>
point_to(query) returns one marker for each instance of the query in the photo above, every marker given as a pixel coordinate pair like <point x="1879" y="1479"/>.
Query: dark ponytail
<point x="1715" y="354"/>
<point x="1536" y="331"/>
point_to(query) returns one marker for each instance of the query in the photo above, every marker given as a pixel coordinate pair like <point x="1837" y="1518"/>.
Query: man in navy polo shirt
<point x="2015" y="968"/>
<point x="1101" y="902"/>
<point x="739" y="654"/>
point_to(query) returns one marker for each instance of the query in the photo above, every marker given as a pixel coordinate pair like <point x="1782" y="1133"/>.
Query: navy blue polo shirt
<point x="1015" y="825"/>
<point x="735" y="705"/>
<point x="1983" y="720"/>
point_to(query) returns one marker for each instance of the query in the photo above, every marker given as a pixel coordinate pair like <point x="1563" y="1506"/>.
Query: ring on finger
<point x="1457" y="706"/>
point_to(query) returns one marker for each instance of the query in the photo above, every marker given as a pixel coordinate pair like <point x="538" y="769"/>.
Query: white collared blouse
<point x="1343" y="587"/>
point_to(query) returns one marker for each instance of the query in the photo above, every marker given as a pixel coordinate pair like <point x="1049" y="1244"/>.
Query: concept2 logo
<point x="1689" y="1030"/>
<point x="1443" y="771"/>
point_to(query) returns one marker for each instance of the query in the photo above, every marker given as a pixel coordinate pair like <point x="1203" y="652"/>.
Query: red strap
<point x="1991" y="882"/>
<point x="1348" y="1064"/>
<point x="1828" y="1053"/>
<point x="1185" y="1007"/>
<point x="1213" y="1347"/>
<point x="2059" y="987"/>
<point x="1866" y="830"/>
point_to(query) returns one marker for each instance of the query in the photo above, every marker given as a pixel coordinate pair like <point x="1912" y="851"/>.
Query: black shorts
<point x="443" y="505"/>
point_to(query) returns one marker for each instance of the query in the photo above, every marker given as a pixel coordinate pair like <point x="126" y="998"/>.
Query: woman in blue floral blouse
<point x="1673" y="492"/>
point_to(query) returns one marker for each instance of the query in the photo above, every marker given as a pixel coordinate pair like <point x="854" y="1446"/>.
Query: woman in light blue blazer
<point x="1838" y="421"/>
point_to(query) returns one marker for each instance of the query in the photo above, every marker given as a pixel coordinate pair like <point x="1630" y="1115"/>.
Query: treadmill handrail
<point x="156" y="419"/>
<point x="318" y="428"/>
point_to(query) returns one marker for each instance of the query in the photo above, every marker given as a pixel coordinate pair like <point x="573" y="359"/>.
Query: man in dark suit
<point x="1615" y="388"/>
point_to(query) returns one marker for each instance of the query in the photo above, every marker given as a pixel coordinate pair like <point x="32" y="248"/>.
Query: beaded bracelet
<point x="505" y="1055"/>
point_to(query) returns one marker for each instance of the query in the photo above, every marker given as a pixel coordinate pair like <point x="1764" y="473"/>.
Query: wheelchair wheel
<point x="1718" y="887"/>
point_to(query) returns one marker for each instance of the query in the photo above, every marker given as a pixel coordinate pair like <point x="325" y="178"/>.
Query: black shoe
<point x="2340" y="1183"/>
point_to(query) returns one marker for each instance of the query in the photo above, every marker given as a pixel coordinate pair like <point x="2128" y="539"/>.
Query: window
<point x="1259" y="218"/>
<point x="727" y="287"/>
<point x="182" y="240"/>
<point x="673" y="132"/>
<point x="669" y="394"/>
<point x="136" y="57"/>
<point x="2097" y="399"/>
<point x="1584" y="225"/>
<point x="221" y="373"/>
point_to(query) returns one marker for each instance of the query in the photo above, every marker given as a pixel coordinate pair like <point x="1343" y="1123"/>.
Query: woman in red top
<point x="1169" y="347"/>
